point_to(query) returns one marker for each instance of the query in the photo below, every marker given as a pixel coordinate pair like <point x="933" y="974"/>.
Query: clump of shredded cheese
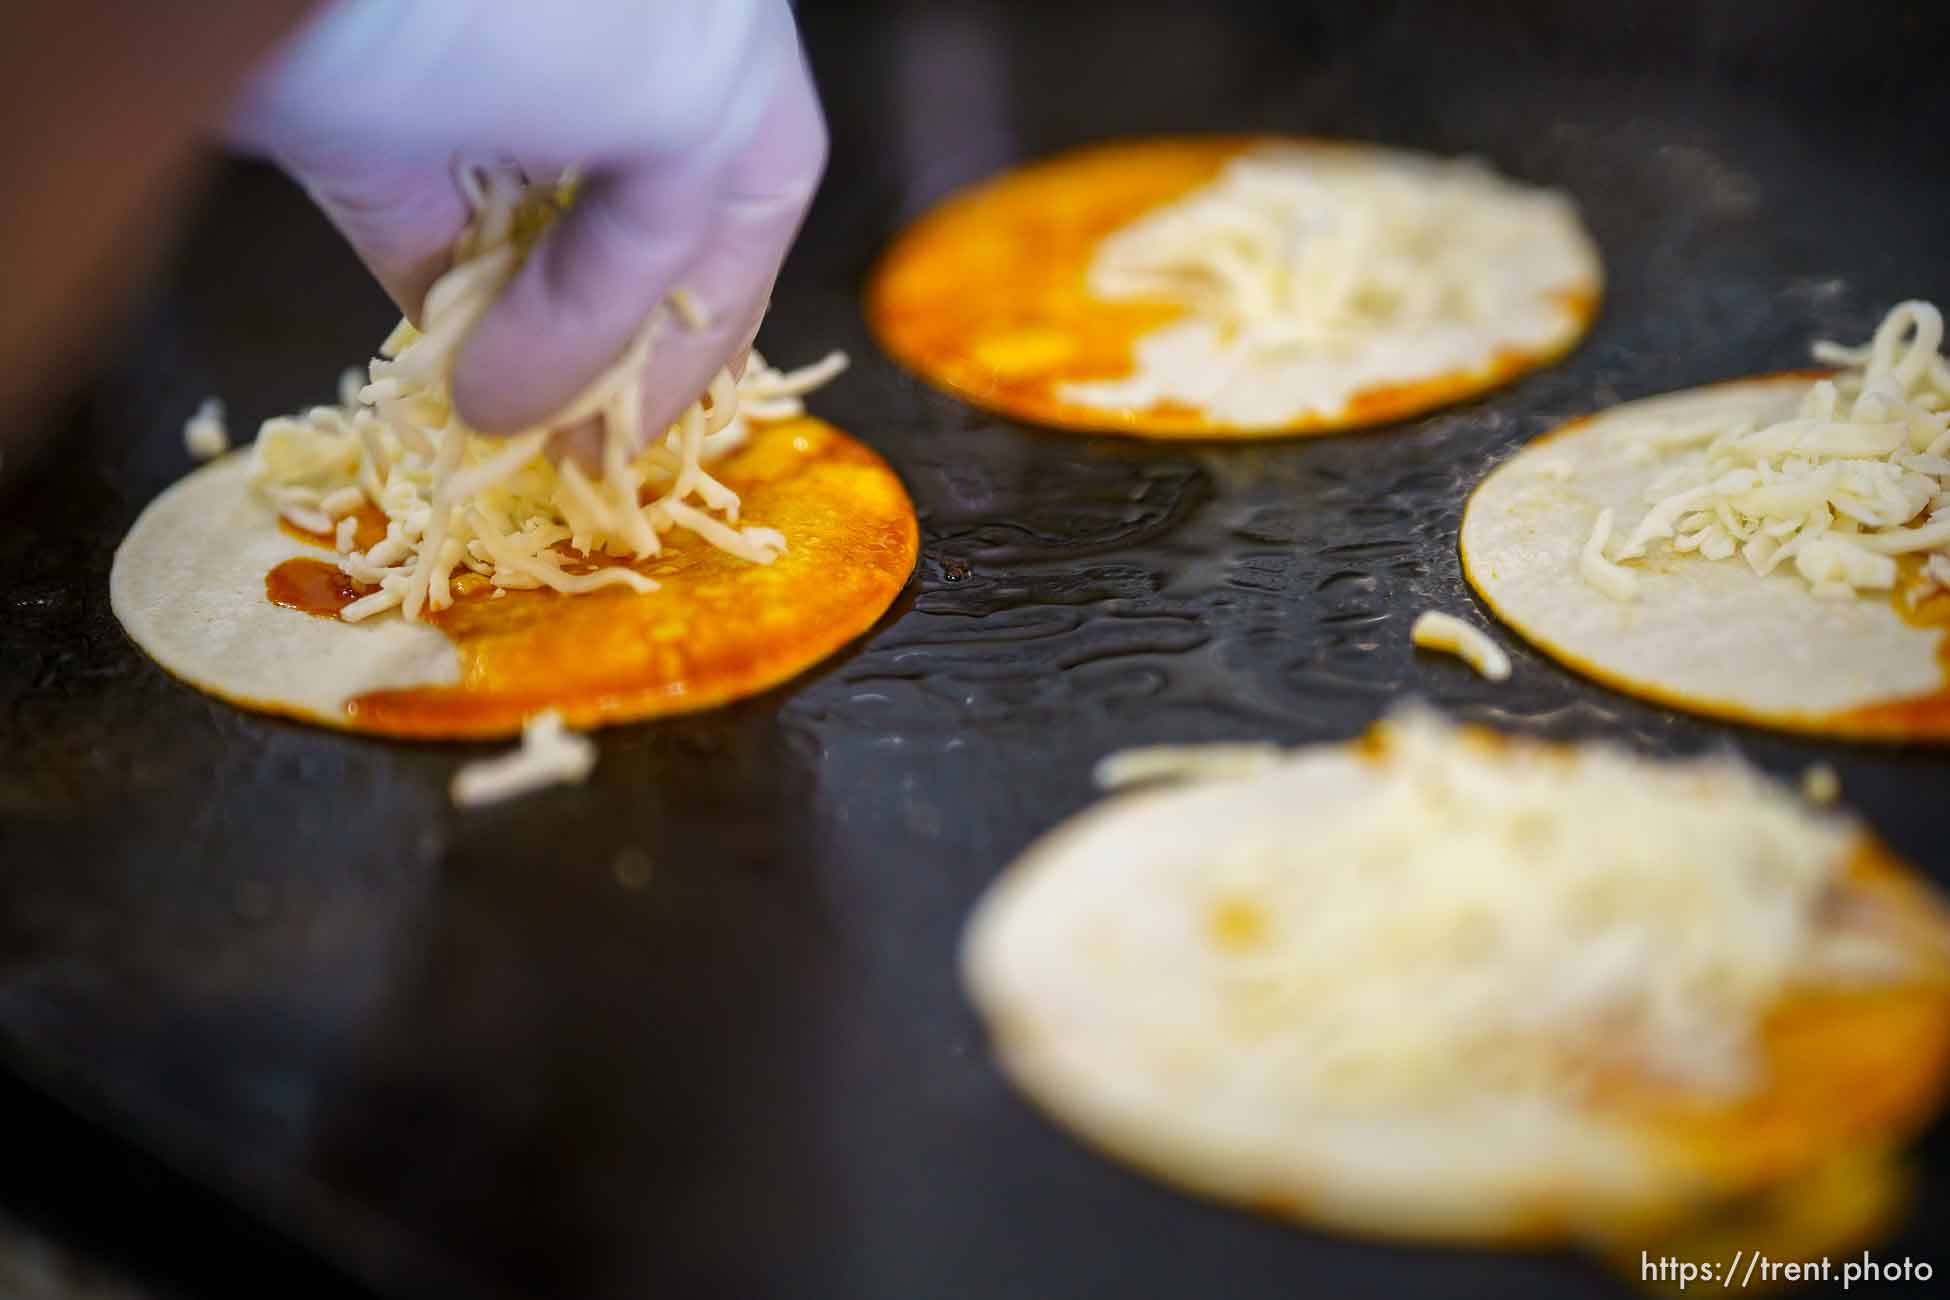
<point x="1286" y="250"/>
<point x="1858" y="476"/>
<point x="549" y="755"/>
<point x="205" y="434"/>
<point x="1310" y="275"/>
<point x="1434" y="630"/>
<point x="456" y="501"/>
<point x="1508" y="912"/>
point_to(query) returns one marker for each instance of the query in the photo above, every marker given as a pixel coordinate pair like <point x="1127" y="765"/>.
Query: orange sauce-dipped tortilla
<point x="987" y="296"/>
<point x="1204" y="1076"/>
<point x="717" y="628"/>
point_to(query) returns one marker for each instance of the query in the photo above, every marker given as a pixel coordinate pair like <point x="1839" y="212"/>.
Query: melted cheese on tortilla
<point x="1144" y="764"/>
<point x="1468" y="915"/>
<point x="1859" y="475"/>
<point x="210" y="586"/>
<point x="1435" y="630"/>
<point x="1439" y="984"/>
<point x="1309" y="276"/>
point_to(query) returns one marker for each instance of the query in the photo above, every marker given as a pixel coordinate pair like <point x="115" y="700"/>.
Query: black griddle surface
<point x="481" y="1055"/>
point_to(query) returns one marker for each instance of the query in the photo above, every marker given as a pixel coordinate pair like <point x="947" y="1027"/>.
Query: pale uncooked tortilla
<point x="1706" y="635"/>
<point x="1106" y="1004"/>
<point x="188" y="585"/>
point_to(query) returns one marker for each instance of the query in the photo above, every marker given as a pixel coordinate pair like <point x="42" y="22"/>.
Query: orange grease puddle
<point x="718" y="627"/>
<point x="987" y="295"/>
<point x="312" y="585"/>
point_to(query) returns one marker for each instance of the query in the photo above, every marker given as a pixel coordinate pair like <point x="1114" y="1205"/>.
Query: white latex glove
<point x="694" y="123"/>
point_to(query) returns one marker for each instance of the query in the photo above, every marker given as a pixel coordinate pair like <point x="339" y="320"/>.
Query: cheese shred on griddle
<point x="549" y="755"/>
<point x="1435" y="630"/>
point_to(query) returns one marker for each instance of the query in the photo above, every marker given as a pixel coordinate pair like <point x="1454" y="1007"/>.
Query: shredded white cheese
<point x="1434" y="630"/>
<point x="1503" y="912"/>
<point x="1617" y="582"/>
<point x="1859" y="475"/>
<point x="549" y="755"/>
<point x="205" y="434"/>
<point x="1310" y="274"/>
<point x="1144" y="764"/>
<point x="689" y="309"/>
<point x="456" y="501"/>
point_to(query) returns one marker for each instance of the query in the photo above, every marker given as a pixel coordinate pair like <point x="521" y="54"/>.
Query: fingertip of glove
<point x="496" y="389"/>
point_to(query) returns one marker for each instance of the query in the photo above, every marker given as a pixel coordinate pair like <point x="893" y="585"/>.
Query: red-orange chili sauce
<point x="312" y="585"/>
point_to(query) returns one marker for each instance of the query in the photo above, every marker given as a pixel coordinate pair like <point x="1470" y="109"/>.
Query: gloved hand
<point x="694" y="123"/>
